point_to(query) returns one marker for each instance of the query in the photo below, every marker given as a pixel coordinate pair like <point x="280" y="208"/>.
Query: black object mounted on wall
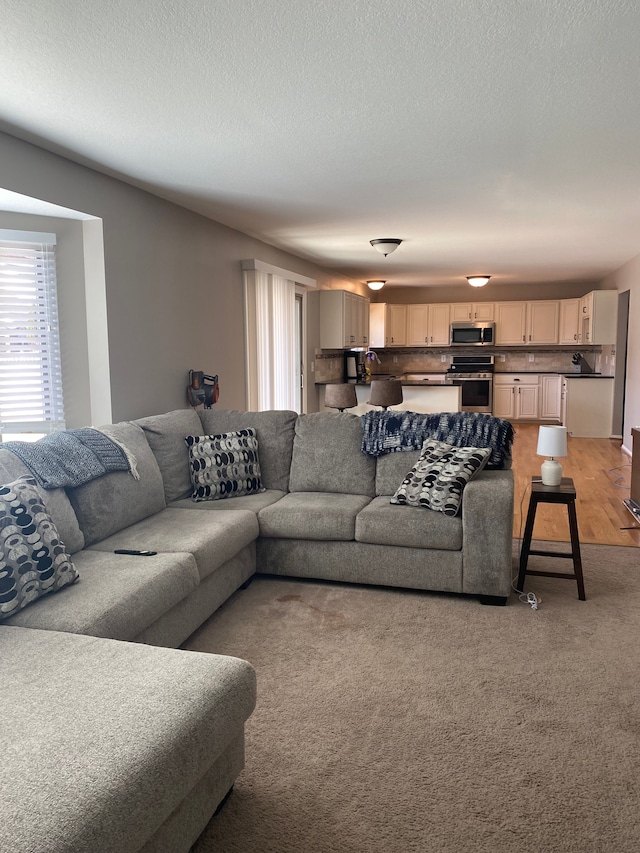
<point x="198" y="391"/>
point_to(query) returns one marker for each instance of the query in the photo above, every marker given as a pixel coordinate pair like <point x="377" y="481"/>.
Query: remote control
<point x="134" y="552"/>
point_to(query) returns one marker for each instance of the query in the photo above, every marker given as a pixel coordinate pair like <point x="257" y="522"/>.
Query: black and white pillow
<point x="438" y="478"/>
<point x="224" y="465"/>
<point x="33" y="560"/>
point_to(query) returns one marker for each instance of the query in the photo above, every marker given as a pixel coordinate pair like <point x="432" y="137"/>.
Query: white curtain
<point x="276" y="368"/>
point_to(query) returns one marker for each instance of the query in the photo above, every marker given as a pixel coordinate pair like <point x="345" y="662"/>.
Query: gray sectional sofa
<point x="117" y="739"/>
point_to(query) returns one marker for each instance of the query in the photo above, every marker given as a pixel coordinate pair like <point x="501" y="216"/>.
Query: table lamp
<point x="340" y="397"/>
<point x="552" y="441"/>
<point x="385" y="392"/>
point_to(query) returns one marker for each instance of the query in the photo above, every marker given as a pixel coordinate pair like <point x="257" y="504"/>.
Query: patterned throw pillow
<point x="33" y="560"/>
<point x="439" y="476"/>
<point x="225" y="465"/>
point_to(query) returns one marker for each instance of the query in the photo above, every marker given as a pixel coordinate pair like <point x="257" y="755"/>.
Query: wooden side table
<point x="565" y="493"/>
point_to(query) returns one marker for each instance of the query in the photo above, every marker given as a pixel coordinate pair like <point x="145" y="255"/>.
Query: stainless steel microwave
<point x="472" y="334"/>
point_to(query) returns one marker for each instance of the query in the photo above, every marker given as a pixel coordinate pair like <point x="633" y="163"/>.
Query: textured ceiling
<point x="497" y="136"/>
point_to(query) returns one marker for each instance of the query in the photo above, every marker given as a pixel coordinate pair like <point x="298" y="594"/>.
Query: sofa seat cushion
<point x="166" y="434"/>
<point x="116" y="596"/>
<point x="327" y="456"/>
<point x="117" y="500"/>
<point x="274" y="431"/>
<point x="212" y="539"/>
<point x="382" y="523"/>
<point x="254" y="502"/>
<point x="103" y="741"/>
<point x="312" y="515"/>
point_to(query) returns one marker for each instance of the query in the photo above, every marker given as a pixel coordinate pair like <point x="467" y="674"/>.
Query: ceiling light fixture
<point x="385" y="245"/>
<point x="376" y="285"/>
<point x="478" y="280"/>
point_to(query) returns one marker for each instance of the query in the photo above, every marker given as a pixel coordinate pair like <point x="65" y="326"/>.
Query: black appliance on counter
<point x="354" y="366"/>
<point x="475" y="374"/>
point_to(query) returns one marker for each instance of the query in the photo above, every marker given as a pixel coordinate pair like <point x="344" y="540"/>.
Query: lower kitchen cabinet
<point x="516" y="397"/>
<point x="527" y="396"/>
<point x="551" y="397"/>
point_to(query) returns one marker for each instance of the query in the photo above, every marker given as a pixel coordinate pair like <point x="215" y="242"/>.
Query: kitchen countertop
<point x="418" y="382"/>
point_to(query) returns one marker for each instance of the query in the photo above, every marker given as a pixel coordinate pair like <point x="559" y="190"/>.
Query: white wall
<point x="627" y="277"/>
<point x="174" y="286"/>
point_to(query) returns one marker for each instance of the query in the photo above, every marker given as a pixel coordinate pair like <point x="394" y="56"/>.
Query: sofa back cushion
<point x="327" y="456"/>
<point x="117" y="500"/>
<point x="55" y="502"/>
<point x="392" y="468"/>
<point x="274" y="431"/>
<point x="166" y="436"/>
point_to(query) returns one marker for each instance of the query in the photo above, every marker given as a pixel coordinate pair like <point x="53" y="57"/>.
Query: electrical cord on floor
<point x="619" y="483"/>
<point x="529" y="598"/>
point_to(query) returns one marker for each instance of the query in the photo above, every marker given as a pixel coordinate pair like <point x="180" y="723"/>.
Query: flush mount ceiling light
<point x="376" y="285"/>
<point x="385" y="245"/>
<point x="478" y="280"/>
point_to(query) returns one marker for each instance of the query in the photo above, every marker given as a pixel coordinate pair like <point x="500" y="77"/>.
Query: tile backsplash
<point x="330" y="363"/>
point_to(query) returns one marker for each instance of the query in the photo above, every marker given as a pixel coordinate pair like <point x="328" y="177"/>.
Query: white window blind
<point x="30" y="367"/>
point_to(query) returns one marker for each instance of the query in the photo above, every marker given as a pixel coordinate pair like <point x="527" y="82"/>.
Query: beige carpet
<point x="401" y="721"/>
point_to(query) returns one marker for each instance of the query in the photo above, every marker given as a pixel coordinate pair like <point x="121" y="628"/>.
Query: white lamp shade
<point x="552" y="441"/>
<point x="478" y="280"/>
<point x="376" y="285"/>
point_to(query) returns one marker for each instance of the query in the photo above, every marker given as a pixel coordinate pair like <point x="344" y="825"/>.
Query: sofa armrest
<point x="487" y="533"/>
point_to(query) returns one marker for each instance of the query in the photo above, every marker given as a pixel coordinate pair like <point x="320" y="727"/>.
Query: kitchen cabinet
<point x="569" y="321"/>
<point x="520" y="323"/>
<point x="473" y="311"/>
<point x="551" y="397"/>
<point x="417" y="325"/>
<point x="511" y="323"/>
<point x="344" y="320"/>
<point x="388" y="325"/>
<point x="542" y="321"/>
<point x="516" y="396"/>
<point x="428" y="325"/>
<point x="598" y="317"/>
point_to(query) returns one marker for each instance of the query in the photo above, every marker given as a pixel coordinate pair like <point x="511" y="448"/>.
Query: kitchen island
<point x="419" y="395"/>
<point x="587" y="405"/>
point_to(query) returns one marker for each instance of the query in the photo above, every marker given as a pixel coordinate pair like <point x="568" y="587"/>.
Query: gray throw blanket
<point x="69" y="458"/>
<point x="393" y="431"/>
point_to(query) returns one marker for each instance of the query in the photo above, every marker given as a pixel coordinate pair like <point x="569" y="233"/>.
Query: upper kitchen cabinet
<point x="511" y="323"/>
<point x="473" y="311"/>
<point x="542" y="321"/>
<point x="428" y="325"/>
<point x="521" y="323"/>
<point x="569" y="321"/>
<point x="388" y="325"/>
<point x="598" y="317"/>
<point x="344" y="320"/>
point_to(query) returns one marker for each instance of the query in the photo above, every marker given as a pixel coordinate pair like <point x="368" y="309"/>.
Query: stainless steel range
<point x="475" y="373"/>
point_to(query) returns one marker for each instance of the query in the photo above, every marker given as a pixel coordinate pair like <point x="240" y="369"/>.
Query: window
<point x="30" y="367"/>
<point x="274" y="334"/>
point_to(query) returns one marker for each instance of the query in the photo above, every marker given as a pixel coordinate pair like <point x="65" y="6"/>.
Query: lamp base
<point x="551" y="472"/>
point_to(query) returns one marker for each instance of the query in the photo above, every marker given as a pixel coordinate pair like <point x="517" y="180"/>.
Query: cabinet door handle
<point x="575" y="337"/>
<point x="431" y="338"/>
<point x="524" y="338"/>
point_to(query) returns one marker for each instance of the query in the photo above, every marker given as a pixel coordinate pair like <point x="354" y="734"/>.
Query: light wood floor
<point x="596" y="465"/>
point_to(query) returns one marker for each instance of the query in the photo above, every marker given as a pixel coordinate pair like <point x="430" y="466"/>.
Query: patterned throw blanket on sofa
<point x="69" y="458"/>
<point x="393" y="431"/>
